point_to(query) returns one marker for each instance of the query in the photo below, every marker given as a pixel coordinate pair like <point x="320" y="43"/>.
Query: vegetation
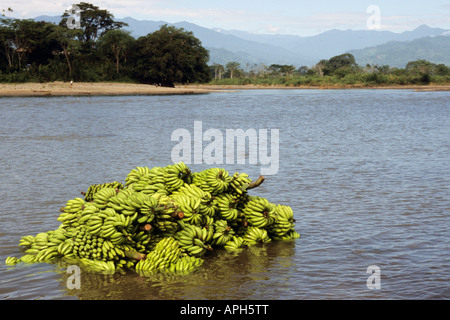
<point x="100" y="50"/>
<point x="341" y="70"/>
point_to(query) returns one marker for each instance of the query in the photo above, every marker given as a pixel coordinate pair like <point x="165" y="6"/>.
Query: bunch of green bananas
<point x="166" y="252"/>
<point x="228" y="206"/>
<point x="222" y="233"/>
<point x="235" y="244"/>
<point x="240" y="183"/>
<point x="164" y="218"/>
<point x="194" y="239"/>
<point x="284" y="221"/>
<point x="176" y="175"/>
<point x="185" y="264"/>
<point x="213" y="180"/>
<point x="94" y="188"/>
<point x="254" y="235"/>
<point x="259" y="212"/>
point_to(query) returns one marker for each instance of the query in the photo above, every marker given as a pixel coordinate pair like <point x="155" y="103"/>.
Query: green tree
<point x="232" y="68"/>
<point x="170" y="55"/>
<point x="95" y="22"/>
<point x="68" y="43"/>
<point x="341" y="65"/>
<point x="116" y="43"/>
<point x="218" y="70"/>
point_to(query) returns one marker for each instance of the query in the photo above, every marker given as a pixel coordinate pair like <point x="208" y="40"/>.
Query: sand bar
<point x="91" y="89"/>
<point x="110" y="88"/>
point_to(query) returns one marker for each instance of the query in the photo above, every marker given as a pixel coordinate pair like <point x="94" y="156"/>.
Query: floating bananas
<point x="162" y="219"/>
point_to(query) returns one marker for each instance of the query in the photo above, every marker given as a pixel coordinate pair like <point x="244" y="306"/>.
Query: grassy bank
<point x="351" y="80"/>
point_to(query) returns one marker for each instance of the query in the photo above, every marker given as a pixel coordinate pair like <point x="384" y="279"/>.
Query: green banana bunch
<point x="194" y="240"/>
<point x="150" y="188"/>
<point x="213" y="180"/>
<point x="155" y="176"/>
<point x="228" y="206"/>
<point x="98" y="266"/>
<point x="28" y="258"/>
<point x="235" y="244"/>
<point x="47" y="254"/>
<point x="70" y="212"/>
<point x="101" y="197"/>
<point x="290" y="235"/>
<point x="190" y="206"/>
<point x="185" y="265"/>
<point x="94" y="188"/>
<point x="26" y="241"/>
<point x="176" y="175"/>
<point x="239" y="183"/>
<point x="259" y="212"/>
<point x="284" y="221"/>
<point x="222" y="233"/>
<point x="255" y="235"/>
<point x="167" y="251"/>
<point x="12" y="261"/>
<point x="164" y="218"/>
<point x="136" y="175"/>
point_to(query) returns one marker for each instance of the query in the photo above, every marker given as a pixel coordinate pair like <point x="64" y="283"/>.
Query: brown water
<point x="366" y="172"/>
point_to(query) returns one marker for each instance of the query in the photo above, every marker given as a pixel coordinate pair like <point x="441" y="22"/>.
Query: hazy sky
<point x="261" y="16"/>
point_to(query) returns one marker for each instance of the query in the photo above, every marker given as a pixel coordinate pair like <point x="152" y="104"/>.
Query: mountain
<point x="335" y="42"/>
<point x="249" y="49"/>
<point x="399" y="53"/>
<point x="225" y="45"/>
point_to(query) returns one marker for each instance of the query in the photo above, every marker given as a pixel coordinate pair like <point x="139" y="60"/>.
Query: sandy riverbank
<point x="102" y="88"/>
<point x="91" y="89"/>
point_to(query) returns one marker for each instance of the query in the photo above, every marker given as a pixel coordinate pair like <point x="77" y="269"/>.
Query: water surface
<point x="366" y="172"/>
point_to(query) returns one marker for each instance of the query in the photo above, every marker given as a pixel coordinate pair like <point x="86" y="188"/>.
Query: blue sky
<point x="262" y="16"/>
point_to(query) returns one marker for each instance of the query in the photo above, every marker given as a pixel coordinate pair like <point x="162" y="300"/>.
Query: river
<point x="365" y="171"/>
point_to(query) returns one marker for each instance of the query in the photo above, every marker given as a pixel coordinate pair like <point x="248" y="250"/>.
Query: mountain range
<point x="368" y="46"/>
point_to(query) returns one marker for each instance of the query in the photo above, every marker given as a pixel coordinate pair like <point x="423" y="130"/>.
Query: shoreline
<point x="418" y="88"/>
<point x="59" y="88"/>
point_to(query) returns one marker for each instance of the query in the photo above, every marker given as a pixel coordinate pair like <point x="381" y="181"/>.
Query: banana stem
<point x="178" y="214"/>
<point x="147" y="227"/>
<point x="256" y="183"/>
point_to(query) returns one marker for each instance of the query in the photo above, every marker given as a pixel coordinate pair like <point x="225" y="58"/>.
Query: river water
<point x="365" y="171"/>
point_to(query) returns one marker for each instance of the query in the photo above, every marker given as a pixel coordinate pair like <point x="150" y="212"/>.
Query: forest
<point x="98" y="50"/>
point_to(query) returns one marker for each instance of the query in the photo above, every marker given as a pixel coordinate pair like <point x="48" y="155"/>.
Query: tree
<point x="303" y="70"/>
<point x="232" y="67"/>
<point x="282" y="70"/>
<point x="116" y="43"/>
<point x="66" y="39"/>
<point x="218" y="70"/>
<point x="95" y="22"/>
<point x="320" y="67"/>
<point x="171" y="55"/>
<point x="341" y="64"/>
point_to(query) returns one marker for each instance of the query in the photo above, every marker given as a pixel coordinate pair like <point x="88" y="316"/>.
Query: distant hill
<point x="398" y="54"/>
<point x="247" y="48"/>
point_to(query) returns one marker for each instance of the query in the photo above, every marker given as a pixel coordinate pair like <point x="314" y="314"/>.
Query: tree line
<point x="341" y="69"/>
<point x="100" y="50"/>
